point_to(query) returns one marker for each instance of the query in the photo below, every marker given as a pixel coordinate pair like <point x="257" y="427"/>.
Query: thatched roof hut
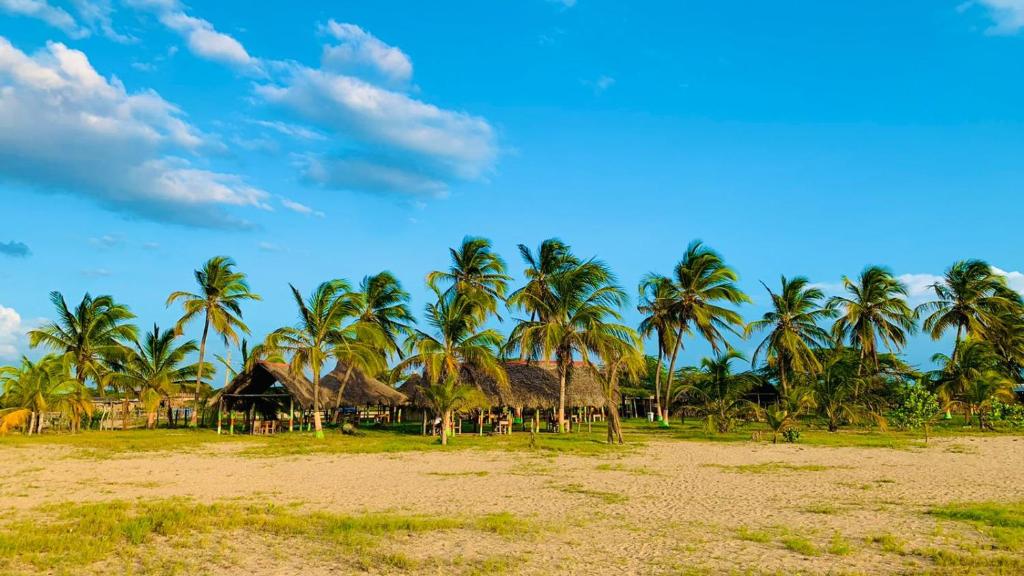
<point x="530" y="385"/>
<point x="412" y="388"/>
<point x="361" y="390"/>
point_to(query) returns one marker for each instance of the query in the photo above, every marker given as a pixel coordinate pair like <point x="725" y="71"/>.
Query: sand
<point x="663" y="508"/>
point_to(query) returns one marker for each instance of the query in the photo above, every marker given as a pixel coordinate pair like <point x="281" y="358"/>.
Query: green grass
<point x="800" y="545"/>
<point x="1002" y="522"/>
<point x="606" y="497"/>
<point x="770" y="468"/>
<point x="824" y="508"/>
<point x="839" y="546"/>
<point x="749" y="535"/>
<point x="633" y="470"/>
<point x="887" y="542"/>
<point x="57" y="538"/>
<point x="477" y="473"/>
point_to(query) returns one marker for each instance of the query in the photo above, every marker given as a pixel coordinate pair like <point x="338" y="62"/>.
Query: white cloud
<point x="361" y="52"/>
<point x="300" y="208"/>
<point x="96" y="273"/>
<point x="919" y="286"/>
<point x="200" y="36"/>
<point x="293" y="130"/>
<point x="1007" y="15"/>
<point x="69" y="129"/>
<point x="96" y="14"/>
<point x="601" y="85"/>
<point x="450" y="143"/>
<point x="106" y="241"/>
<point x="12" y="333"/>
<point x="43" y="10"/>
<point x="1014" y="279"/>
<point x="369" y="175"/>
<point x="269" y="247"/>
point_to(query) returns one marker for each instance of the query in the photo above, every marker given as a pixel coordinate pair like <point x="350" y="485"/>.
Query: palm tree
<point x="702" y="283"/>
<point x="839" y="392"/>
<point x="458" y="345"/>
<point x="32" y="389"/>
<point x="221" y="292"/>
<point x="657" y="295"/>
<point x="970" y="298"/>
<point x="386" y="305"/>
<point x="793" y="330"/>
<point x="579" y="317"/>
<point x="156" y="369"/>
<point x="478" y="269"/>
<point x="722" y="392"/>
<point x="319" y="332"/>
<point x="875" y="310"/>
<point x="971" y="378"/>
<point x="96" y="329"/>
<point x="552" y="257"/>
<point x="621" y="355"/>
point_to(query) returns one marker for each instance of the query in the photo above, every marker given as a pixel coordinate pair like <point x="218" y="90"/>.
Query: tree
<point x="875" y="310"/>
<point x="972" y="379"/>
<point x="222" y="290"/>
<point x="552" y="258"/>
<point x="721" y="393"/>
<point x="621" y="355"/>
<point x="793" y="331"/>
<point x="316" y="335"/>
<point x="840" y="393"/>
<point x="916" y="407"/>
<point x="386" y="305"/>
<point x="32" y="389"/>
<point x="458" y="345"/>
<point x="95" y="330"/>
<point x="702" y="283"/>
<point x="781" y="416"/>
<point x="156" y="369"/>
<point x="970" y="299"/>
<point x="657" y="296"/>
<point x="475" y="269"/>
<point x="579" y="316"/>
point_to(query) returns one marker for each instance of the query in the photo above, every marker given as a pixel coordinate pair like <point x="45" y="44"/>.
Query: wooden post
<point x="291" y="414"/>
<point x="231" y="422"/>
<point x="220" y="414"/>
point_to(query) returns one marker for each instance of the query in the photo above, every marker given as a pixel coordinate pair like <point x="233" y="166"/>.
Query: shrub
<point x="916" y="409"/>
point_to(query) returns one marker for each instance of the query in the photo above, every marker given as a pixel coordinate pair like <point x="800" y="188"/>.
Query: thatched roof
<point x="530" y="385"/>
<point x="412" y="388"/>
<point x="362" y="390"/>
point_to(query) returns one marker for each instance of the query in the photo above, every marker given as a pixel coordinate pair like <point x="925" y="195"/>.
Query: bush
<point x="916" y="408"/>
<point x="1010" y="414"/>
<point x="791" y="435"/>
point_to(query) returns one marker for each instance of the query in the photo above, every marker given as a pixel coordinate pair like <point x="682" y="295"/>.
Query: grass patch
<point x="839" y="546"/>
<point x="887" y="542"/>
<point x="634" y="470"/>
<point x="769" y="468"/>
<point x="823" y="508"/>
<point x="800" y="545"/>
<point x="1002" y="522"/>
<point x="749" y="535"/>
<point x="606" y="497"/>
<point x="59" y="538"/>
<point x="478" y="473"/>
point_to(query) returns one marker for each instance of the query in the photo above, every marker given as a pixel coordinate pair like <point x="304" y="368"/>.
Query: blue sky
<point x="316" y="140"/>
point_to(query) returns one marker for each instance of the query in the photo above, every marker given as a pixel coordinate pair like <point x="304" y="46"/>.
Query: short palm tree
<point x="794" y="333"/>
<point x="721" y="393"/>
<point x="32" y="389"/>
<point x="657" y="295"/>
<point x="840" y="394"/>
<point x="157" y="368"/>
<point x="970" y="299"/>
<point x="95" y="330"/>
<point x="475" y="269"/>
<point x="621" y="355"/>
<point x="457" y="346"/>
<point x="782" y="415"/>
<point x="703" y="283"/>
<point x="222" y="289"/>
<point x="973" y="378"/>
<point x="873" y="310"/>
<point x="317" y="335"/>
<point x="577" y="319"/>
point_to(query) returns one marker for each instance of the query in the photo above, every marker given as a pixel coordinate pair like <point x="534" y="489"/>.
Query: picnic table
<point x="265" y="428"/>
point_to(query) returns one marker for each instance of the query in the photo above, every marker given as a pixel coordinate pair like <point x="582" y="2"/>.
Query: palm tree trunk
<point x="657" y="382"/>
<point x="124" y="421"/>
<point x="671" y="374"/>
<point x="317" y="423"/>
<point x="194" y="421"/>
<point x="563" y="373"/>
<point x="341" y="388"/>
<point x="446" y="419"/>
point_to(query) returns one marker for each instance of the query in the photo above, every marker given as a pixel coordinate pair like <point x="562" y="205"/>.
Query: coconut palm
<point x="621" y="355"/>
<point x="32" y="389"/>
<point x="793" y="329"/>
<point x="156" y="369"/>
<point x="782" y="415"/>
<point x="841" y="394"/>
<point x="96" y="329"/>
<point x="319" y="333"/>
<point x="222" y="290"/>
<point x="657" y="295"/>
<point x="703" y="282"/>
<point x="577" y="319"/>
<point x="720" y="392"/>
<point x="974" y="372"/>
<point x="874" y="310"/>
<point x="476" y="269"/>
<point x="982" y="391"/>
<point x="457" y="346"/>
<point x="970" y="299"/>
<point x="386" y="305"/>
<point x="552" y="257"/>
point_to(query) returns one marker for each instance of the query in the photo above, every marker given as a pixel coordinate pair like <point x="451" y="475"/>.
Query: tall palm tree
<point x="457" y="345"/>
<point x="874" y="309"/>
<point x="157" y="368"/>
<point x="386" y="305"/>
<point x="319" y="331"/>
<point x="478" y="269"/>
<point x="578" y="318"/>
<point x="703" y="282"/>
<point x="793" y="330"/>
<point x="32" y="389"/>
<point x="970" y="299"/>
<point x="552" y="257"/>
<point x="95" y="330"/>
<point x="721" y="393"/>
<point x="222" y="290"/>
<point x="657" y="296"/>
